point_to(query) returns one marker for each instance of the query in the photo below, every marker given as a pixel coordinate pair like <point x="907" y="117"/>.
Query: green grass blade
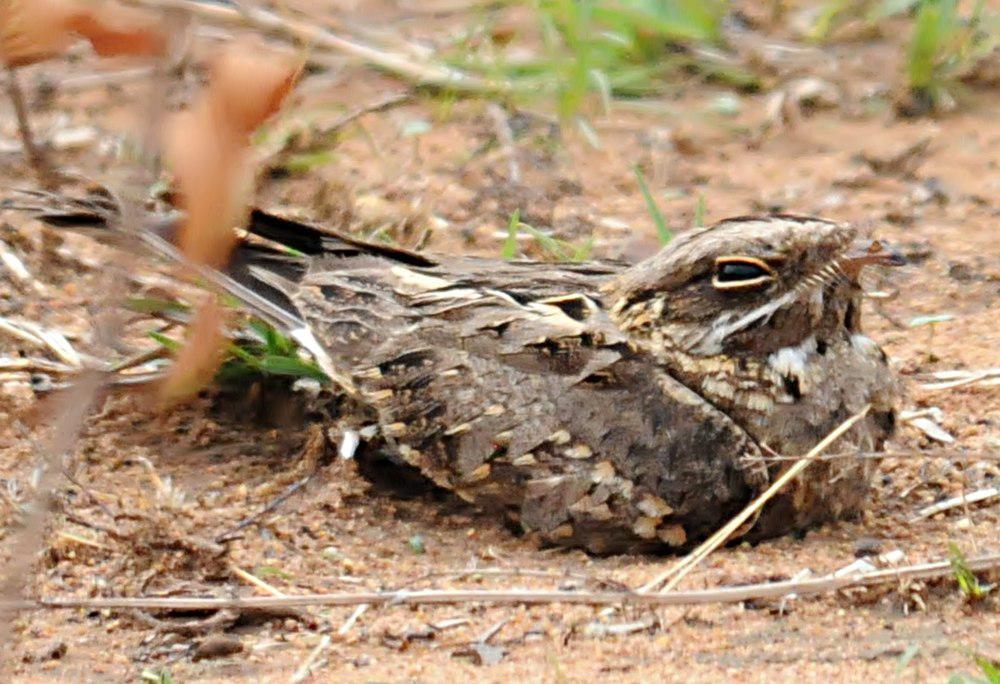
<point x="666" y="235"/>
<point x="509" y="249"/>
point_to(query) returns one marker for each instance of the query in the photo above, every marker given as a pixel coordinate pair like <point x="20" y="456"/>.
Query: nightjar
<point x="613" y="407"/>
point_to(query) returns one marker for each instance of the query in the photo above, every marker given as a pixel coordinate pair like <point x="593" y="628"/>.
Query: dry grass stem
<point x="305" y="669"/>
<point x="953" y="379"/>
<point x="733" y="594"/>
<point x="47" y="177"/>
<point x="956" y="501"/>
<point x="505" y="137"/>
<point x="255" y="581"/>
<point x="677" y="572"/>
<point x="353" y="619"/>
<point x="24" y="544"/>
<point x="311" y="34"/>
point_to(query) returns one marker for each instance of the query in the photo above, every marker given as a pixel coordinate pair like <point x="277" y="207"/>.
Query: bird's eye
<point x="741" y="273"/>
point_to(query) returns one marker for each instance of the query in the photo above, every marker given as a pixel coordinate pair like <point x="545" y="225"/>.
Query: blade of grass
<point x="654" y="211"/>
<point x="509" y="249"/>
<point x="699" y="211"/>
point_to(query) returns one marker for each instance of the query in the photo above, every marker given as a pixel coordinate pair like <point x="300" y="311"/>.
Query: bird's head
<point x="749" y="286"/>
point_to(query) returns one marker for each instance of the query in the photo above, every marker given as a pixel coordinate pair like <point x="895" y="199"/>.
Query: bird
<point x="613" y="407"/>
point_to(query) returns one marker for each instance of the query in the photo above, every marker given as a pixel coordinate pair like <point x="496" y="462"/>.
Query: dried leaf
<point x="248" y="84"/>
<point x="200" y="356"/>
<point x="213" y="178"/>
<point x="35" y="30"/>
<point x="208" y="149"/>
<point x="207" y="146"/>
<point x="115" y="31"/>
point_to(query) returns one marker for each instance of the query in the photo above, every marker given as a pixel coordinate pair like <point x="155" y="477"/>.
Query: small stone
<point x="560" y="437"/>
<point x="416" y="543"/>
<point x="217" y="646"/>
<point x="525" y="460"/>
<point x="480" y="473"/>
<point x="604" y="470"/>
<point x="562" y="532"/>
<point x="867" y="546"/>
<point x="51" y="651"/>
<point x="674" y="535"/>
<point x="654" y="506"/>
<point x="579" y="451"/>
<point x="645" y="527"/>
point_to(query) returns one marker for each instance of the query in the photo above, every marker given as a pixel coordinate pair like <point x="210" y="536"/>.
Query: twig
<point x="945" y="453"/>
<point x="112" y="532"/>
<point x="678" y="571"/>
<point x="990" y="376"/>
<point x="767" y="590"/>
<point x="249" y="520"/>
<point x="485" y="637"/>
<point x="32" y="365"/>
<point x="956" y="501"/>
<point x="143" y="357"/>
<point x="382" y="104"/>
<point x="47" y="178"/>
<point x="517" y="572"/>
<point x="305" y="669"/>
<point x="188" y="628"/>
<point x="25" y="544"/>
<point x="505" y="137"/>
<point x="51" y="339"/>
<point x="255" y="581"/>
<point x="312" y="34"/>
<point x="73" y="84"/>
<point x="353" y="618"/>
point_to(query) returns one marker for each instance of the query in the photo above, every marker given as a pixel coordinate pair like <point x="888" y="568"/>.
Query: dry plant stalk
<point x="23" y="545"/>
<point x="308" y="32"/>
<point x="207" y="147"/>
<point x="729" y="594"/>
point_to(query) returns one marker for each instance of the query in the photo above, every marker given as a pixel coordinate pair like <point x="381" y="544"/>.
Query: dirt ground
<point x="151" y="490"/>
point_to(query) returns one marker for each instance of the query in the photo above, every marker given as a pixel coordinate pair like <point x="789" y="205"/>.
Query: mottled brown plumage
<point x="600" y="405"/>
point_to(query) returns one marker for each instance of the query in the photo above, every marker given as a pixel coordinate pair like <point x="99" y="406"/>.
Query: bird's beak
<point x="866" y="252"/>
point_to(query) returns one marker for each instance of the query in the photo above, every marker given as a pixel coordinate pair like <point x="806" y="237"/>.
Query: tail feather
<point x="259" y="276"/>
<point x="97" y="216"/>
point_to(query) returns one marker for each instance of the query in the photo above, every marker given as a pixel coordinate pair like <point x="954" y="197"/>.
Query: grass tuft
<point x="612" y="48"/>
<point x="968" y="583"/>
<point x="554" y="248"/>
<point x="259" y="352"/>
<point x="944" y="48"/>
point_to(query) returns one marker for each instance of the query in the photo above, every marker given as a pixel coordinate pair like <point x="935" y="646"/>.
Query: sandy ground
<point x="152" y="489"/>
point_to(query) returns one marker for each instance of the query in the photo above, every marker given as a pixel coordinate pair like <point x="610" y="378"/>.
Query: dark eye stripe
<point x="735" y="271"/>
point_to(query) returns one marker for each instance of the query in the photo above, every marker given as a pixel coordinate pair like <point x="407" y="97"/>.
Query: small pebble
<point x="217" y="646"/>
<point x="867" y="546"/>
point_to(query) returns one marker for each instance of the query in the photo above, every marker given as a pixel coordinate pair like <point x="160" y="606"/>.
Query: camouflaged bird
<point x="613" y="407"/>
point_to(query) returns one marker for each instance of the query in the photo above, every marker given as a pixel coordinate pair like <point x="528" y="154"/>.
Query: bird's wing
<point x="529" y="402"/>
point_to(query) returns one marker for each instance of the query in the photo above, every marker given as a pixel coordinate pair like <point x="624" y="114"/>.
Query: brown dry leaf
<point x="207" y="147"/>
<point x="115" y="31"/>
<point x="208" y="150"/>
<point x="200" y="356"/>
<point x="213" y="179"/>
<point x="35" y="30"/>
<point x="249" y="83"/>
<point x="30" y="30"/>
